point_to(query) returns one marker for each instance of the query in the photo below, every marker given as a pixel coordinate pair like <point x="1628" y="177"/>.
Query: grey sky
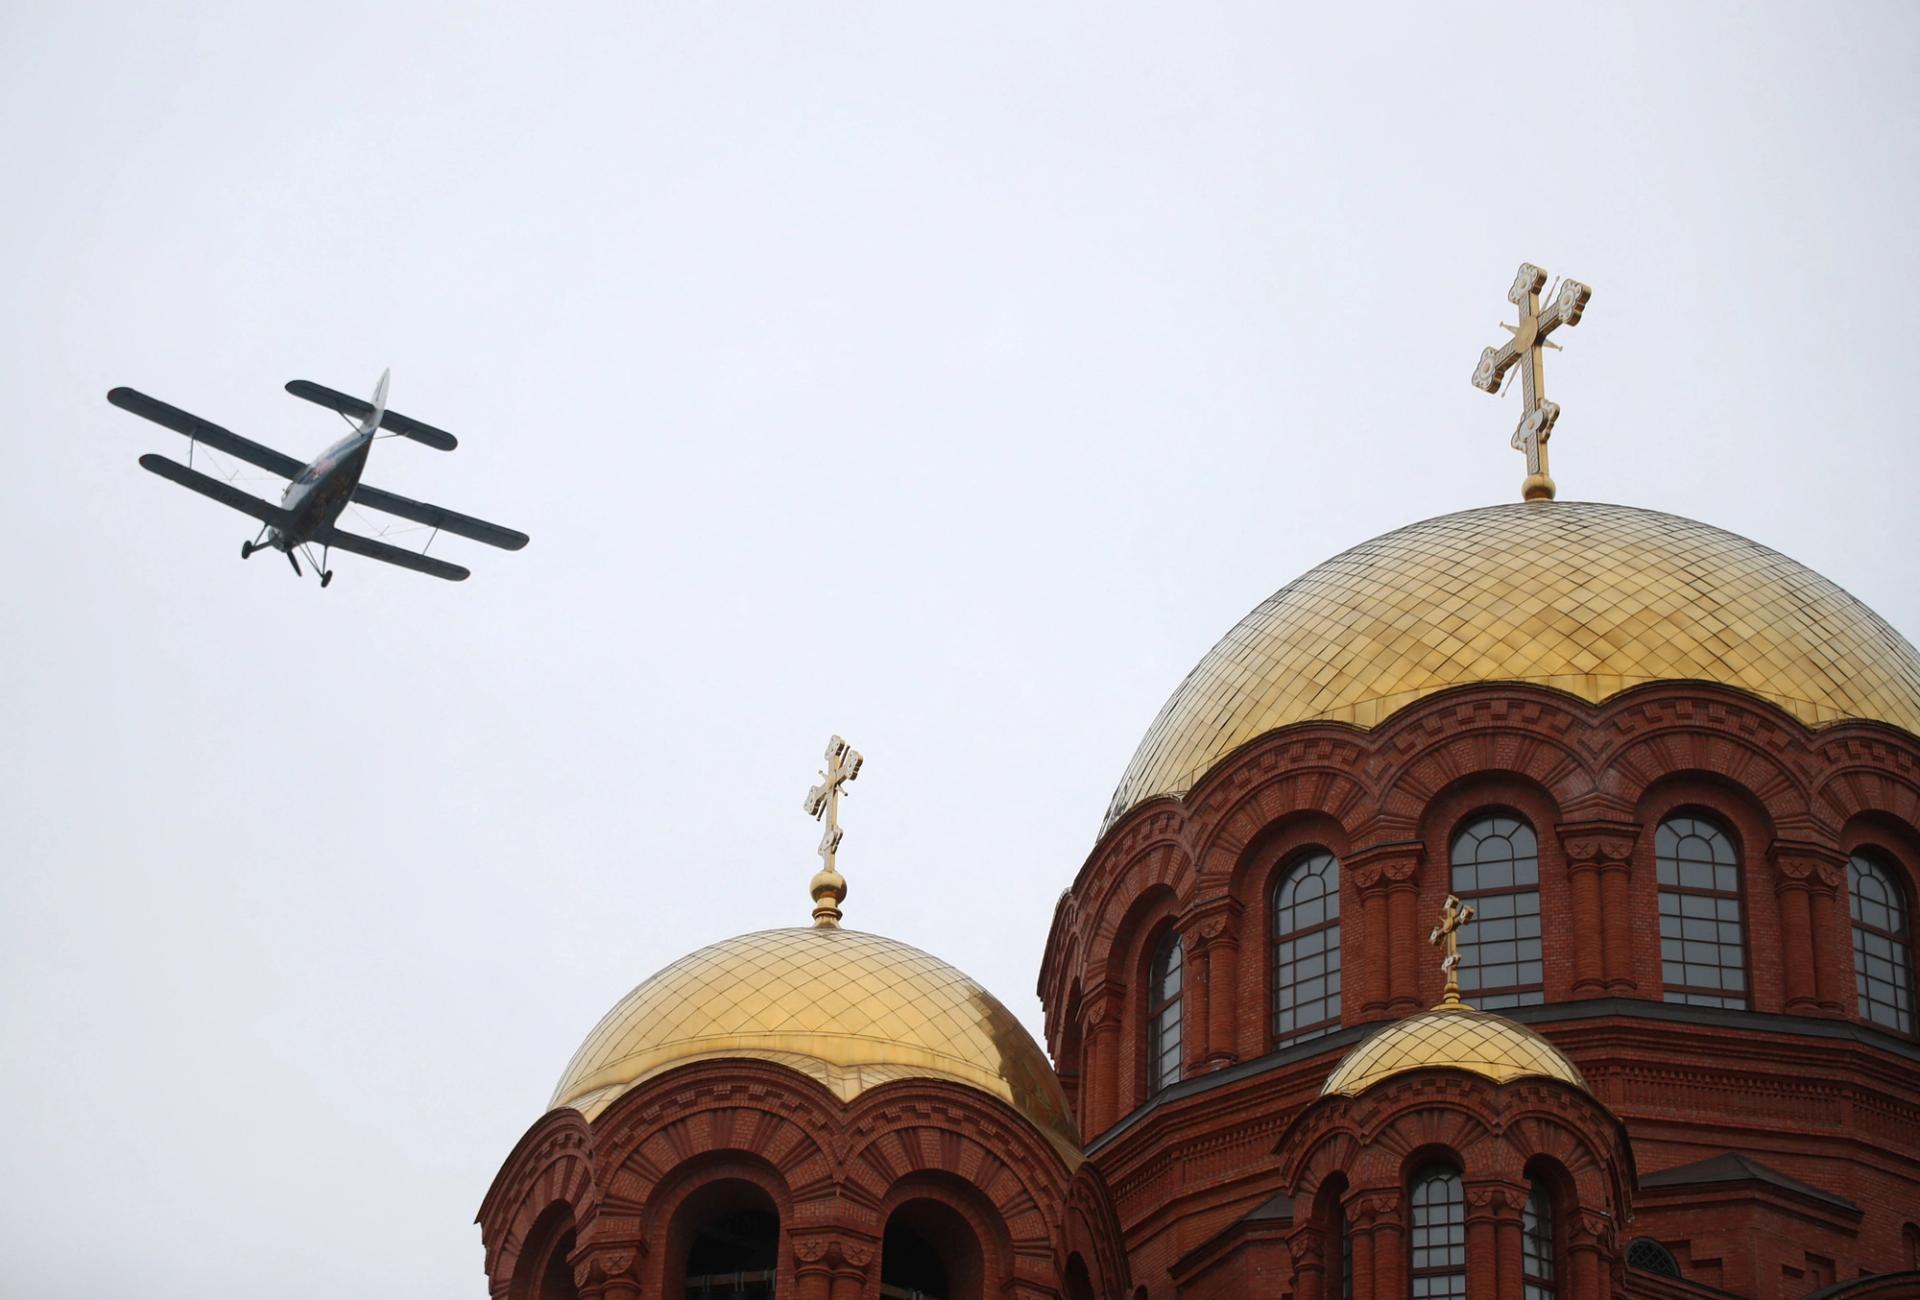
<point x="951" y="378"/>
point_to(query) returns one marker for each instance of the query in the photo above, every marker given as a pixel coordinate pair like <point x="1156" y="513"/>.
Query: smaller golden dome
<point x="1456" y="1038"/>
<point x="850" y="1009"/>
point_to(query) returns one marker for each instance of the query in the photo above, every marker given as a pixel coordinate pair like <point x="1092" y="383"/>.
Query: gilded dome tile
<point x="1457" y="1038"/>
<point x="1586" y="598"/>
<point x="850" y="1009"/>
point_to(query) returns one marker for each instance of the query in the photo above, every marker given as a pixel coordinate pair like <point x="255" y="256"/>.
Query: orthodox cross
<point x="1527" y="350"/>
<point x="1452" y="917"/>
<point x="843" y="764"/>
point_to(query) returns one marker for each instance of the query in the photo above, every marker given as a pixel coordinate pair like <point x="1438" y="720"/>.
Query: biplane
<point x="319" y="490"/>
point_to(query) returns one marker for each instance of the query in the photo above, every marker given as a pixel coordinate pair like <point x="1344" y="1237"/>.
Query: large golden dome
<point x="1455" y="1037"/>
<point x="1589" y="599"/>
<point x="850" y="1009"/>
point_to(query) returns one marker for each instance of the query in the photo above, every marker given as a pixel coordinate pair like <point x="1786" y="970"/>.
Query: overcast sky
<point x="951" y="378"/>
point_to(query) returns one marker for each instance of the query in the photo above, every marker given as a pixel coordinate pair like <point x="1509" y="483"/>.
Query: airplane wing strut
<point x="225" y="493"/>
<point x="447" y="521"/>
<point x="358" y="545"/>
<point x="206" y="431"/>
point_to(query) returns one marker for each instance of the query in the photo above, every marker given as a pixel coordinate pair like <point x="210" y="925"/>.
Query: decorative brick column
<point x="1100" y="1087"/>
<point x="831" y="1266"/>
<point x="1379" y="1242"/>
<point x="1494" y="1264"/>
<point x="1599" y="865"/>
<point x="607" y="1272"/>
<point x="1590" y="1249"/>
<point x="1217" y="935"/>
<point x="1309" y="1250"/>
<point x="1806" y="881"/>
<point x="1365" y="982"/>
<point x="1386" y="879"/>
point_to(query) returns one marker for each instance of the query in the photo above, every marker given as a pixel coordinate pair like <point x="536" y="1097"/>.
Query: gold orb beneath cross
<point x="1536" y="487"/>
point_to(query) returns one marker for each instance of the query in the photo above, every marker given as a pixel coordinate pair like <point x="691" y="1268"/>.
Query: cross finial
<point x="829" y="887"/>
<point x="1527" y="349"/>
<point x="1452" y="916"/>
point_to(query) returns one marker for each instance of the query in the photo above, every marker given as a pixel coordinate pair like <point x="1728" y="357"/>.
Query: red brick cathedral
<point x="1648" y="790"/>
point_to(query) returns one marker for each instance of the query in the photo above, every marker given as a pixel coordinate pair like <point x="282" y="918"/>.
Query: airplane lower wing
<point x="447" y="521"/>
<point x="205" y="431"/>
<point x="358" y="545"/>
<point x="360" y="408"/>
<point x="225" y="493"/>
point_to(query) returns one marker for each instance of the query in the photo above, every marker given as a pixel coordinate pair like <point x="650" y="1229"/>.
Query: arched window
<point x="544" y="1272"/>
<point x="724" y="1244"/>
<point x="1649" y="1256"/>
<point x="929" y="1252"/>
<point x="1536" y="1243"/>
<point x="1496" y="867"/>
<point x="1306" y="950"/>
<point x="1439" y="1242"/>
<point x="1346" y="1255"/>
<point x="1882" y="944"/>
<point x="1702" y="949"/>
<point x="1336" y="1238"/>
<point x="1163" y="1015"/>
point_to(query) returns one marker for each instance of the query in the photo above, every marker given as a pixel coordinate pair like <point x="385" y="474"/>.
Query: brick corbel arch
<point x="1767" y="764"/>
<point x="1419" y="776"/>
<point x="551" y="1165"/>
<point x="1093" y="1233"/>
<point x="907" y="1133"/>
<point x="1491" y="1130"/>
<point x="1862" y="780"/>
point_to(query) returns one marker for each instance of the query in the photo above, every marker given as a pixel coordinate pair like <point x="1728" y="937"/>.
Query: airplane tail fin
<point x="371" y="420"/>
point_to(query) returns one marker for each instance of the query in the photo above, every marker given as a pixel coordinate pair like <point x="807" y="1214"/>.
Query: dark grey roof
<point x="1732" y="1167"/>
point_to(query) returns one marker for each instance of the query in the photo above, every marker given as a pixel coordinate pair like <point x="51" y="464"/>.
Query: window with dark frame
<point x="1702" y="936"/>
<point x="1496" y="867"/>
<point x="1163" y="1015"/>
<point x="1346" y="1256"/>
<point x="1306" y="950"/>
<point x="1438" y="1261"/>
<point x="1536" y="1244"/>
<point x="1882" y="943"/>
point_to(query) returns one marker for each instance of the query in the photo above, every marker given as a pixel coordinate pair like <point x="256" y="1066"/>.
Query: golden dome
<point x="1455" y="1037"/>
<point x="850" y="1009"/>
<point x="1589" y="599"/>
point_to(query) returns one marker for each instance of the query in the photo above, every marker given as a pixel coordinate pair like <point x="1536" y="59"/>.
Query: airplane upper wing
<point x="450" y="521"/>
<point x="359" y="408"/>
<point x="225" y="493"/>
<point x="203" y="431"/>
<point x="373" y="550"/>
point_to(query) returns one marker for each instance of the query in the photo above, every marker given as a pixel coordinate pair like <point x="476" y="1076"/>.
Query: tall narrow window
<point x="1702" y="949"/>
<point x="1536" y="1244"/>
<point x="1496" y="867"/>
<point x="1882" y="944"/>
<point x="1306" y="950"/>
<point x="1439" y="1260"/>
<point x="1163" y="1015"/>
<point x="1346" y="1256"/>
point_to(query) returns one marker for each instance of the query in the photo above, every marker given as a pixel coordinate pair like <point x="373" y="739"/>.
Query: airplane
<point x="318" y="491"/>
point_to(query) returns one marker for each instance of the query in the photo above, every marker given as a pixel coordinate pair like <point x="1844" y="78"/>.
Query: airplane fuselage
<point x="322" y="490"/>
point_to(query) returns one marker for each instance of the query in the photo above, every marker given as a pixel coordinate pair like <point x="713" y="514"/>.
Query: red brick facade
<point x="603" y="1211"/>
<point x="1825" y="1106"/>
<point x="1767" y="1151"/>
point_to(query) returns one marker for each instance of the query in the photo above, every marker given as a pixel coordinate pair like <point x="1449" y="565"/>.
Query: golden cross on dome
<point x="829" y="887"/>
<point x="1527" y="350"/>
<point x="1454" y="915"/>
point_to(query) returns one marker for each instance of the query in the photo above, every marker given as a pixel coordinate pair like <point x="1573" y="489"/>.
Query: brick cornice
<point x="1800" y="864"/>
<point x="1595" y="844"/>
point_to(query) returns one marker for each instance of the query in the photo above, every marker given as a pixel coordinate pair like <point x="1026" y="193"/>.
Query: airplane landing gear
<point x="325" y="578"/>
<point x="246" y="550"/>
